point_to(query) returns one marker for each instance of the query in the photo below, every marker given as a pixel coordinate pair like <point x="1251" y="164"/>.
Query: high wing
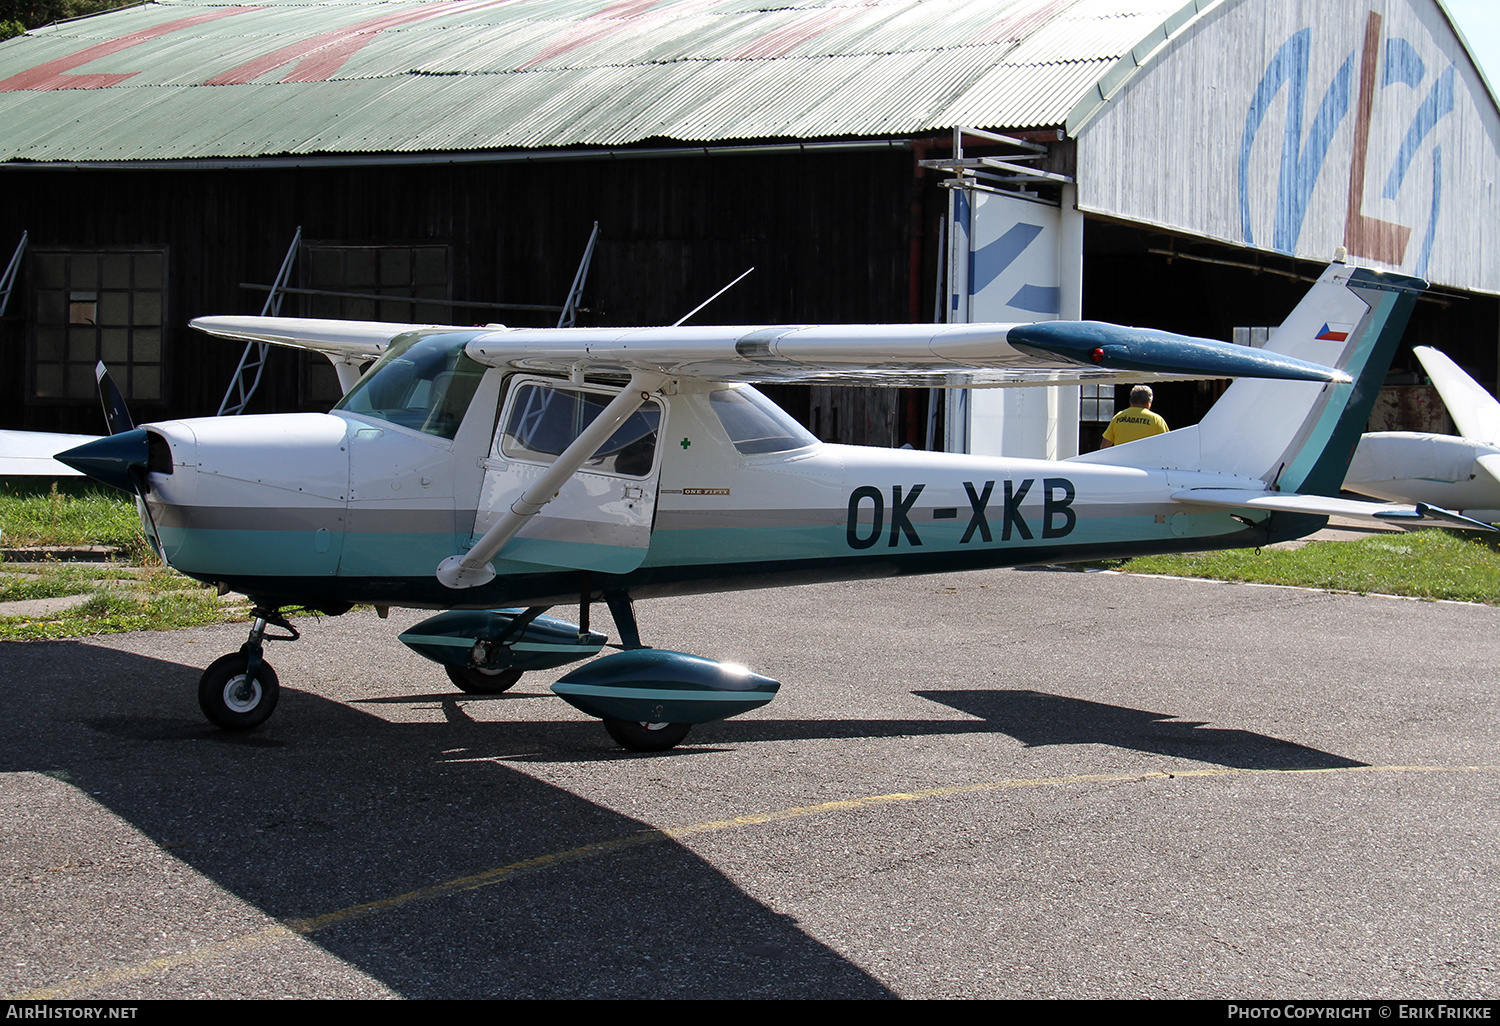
<point x="934" y="355"/>
<point x="1474" y="411"/>
<point x="344" y="340"/>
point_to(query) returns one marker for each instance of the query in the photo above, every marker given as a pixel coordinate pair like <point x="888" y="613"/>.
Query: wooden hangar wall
<point x="829" y="235"/>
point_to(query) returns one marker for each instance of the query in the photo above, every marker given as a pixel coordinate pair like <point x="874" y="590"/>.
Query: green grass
<point x="111" y="611"/>
<point x="55" y="580"/>
<point x="1428" y="563"/>
<point x="137" y="593"/>
<point x="41" y="512"/>
<point x="120" y="598"/>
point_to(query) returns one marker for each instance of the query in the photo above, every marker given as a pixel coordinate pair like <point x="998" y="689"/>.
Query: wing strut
<point x="473" y="569"/>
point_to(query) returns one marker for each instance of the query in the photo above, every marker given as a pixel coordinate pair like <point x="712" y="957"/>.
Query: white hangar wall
<point x="1297" y="126"/>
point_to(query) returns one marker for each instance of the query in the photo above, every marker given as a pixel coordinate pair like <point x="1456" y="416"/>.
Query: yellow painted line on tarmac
<point x="293" y="928"/>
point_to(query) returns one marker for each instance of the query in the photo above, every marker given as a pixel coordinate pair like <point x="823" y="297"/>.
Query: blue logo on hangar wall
<point x="1356" y="86"/>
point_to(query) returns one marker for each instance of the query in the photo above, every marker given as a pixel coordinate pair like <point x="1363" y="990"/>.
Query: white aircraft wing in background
<point x="29" y="453"/>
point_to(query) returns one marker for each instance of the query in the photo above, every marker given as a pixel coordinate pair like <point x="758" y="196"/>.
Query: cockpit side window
<point x="755" y="424"/>
<point x="544" y="419"/>
<point x="424" y="383"/>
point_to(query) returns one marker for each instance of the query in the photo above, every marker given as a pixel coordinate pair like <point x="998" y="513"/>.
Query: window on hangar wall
<point x="402" y="283"/>
<point x="1096" y="403"/>
<point x="93" y="305"/>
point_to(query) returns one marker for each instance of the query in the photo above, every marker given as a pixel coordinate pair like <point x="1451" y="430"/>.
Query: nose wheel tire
<point x="476" y="680"/>
<point x="647" y="737"/>
<point x="231" y="700"/>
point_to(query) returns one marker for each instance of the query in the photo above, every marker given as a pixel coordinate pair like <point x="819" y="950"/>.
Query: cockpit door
<point x="601" y="518"/>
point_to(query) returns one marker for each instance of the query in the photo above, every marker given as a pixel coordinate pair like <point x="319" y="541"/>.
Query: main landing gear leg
<point x="239" y="691"/>
<point x="623" y="610"/>
<point x="638" y="737"/>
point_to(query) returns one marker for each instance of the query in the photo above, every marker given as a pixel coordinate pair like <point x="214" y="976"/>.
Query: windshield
<point x="422" y="382"/>
<point x="755" y="424"/>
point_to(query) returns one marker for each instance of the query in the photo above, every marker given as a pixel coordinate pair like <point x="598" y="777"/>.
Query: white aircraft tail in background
<point x="1458" y="473"/>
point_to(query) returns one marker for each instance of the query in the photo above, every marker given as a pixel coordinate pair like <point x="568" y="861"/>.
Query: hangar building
<point x="1181" y="165"/>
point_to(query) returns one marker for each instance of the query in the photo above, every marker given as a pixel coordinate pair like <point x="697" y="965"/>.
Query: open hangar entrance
<point x="1140" y="276"/>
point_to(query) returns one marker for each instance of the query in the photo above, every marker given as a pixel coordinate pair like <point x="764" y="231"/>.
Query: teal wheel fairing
<point x="545" y="643"/>
<point x="651" y="685"/>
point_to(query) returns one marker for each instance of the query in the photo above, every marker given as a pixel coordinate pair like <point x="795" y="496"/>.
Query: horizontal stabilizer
<point x="1322" y="505"/>
<point x="1114" y="347"/>
<point x="1435" y="513"/>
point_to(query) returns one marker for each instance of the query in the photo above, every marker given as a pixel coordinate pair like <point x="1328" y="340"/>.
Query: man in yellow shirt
<point x="1136" y="422"/>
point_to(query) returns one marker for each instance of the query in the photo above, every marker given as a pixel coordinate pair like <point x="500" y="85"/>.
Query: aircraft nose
<point x="109" y="460"/>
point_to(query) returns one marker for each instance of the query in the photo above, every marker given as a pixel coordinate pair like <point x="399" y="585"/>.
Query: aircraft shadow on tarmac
<point x="327" y="807"/>
<point x="1031" y="717"/>
<point x="1035" y="719"/>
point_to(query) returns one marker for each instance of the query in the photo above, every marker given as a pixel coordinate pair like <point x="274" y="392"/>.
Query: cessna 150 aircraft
<point x="494" y="473"/>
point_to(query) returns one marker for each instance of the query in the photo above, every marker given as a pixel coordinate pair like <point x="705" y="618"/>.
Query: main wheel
<point x="234" y="702"/>
<point x="477" y="680"/>
<point x="647" y="737"/>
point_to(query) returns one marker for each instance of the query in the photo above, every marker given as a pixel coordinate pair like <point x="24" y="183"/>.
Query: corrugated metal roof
<point x="185" y="79"/>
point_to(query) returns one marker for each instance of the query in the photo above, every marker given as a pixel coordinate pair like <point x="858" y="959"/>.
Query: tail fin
<point x="1474" y="410"/>
<point x="1297" y="436"/>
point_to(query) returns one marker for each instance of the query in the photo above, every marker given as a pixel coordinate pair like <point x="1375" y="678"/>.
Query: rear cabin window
<point x="755" y="424"/>
<point x="544" y="420"/>
<point x="423" y="383"/>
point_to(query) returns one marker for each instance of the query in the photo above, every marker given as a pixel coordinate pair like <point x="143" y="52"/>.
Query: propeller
<point x="116" y="414"/>
<point x="119" y="459"/>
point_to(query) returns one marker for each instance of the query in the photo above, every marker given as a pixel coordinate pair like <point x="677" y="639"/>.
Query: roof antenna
<point x="710" y="299"/>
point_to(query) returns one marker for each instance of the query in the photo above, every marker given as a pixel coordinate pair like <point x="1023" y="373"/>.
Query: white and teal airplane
<point x="495" y="473"/>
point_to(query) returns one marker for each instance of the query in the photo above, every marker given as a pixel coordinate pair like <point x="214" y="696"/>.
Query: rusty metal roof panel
<point x="1021" y="95"/>
<point x="183" y="79"/>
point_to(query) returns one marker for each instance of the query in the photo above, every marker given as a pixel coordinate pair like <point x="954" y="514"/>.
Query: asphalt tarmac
<point x="1016" y="783"/>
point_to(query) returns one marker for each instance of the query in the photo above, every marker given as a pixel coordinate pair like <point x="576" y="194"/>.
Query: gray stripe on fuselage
<point x="385" y="520"/>
<point x="255" y="518"/>
<point x="689" y="520"/>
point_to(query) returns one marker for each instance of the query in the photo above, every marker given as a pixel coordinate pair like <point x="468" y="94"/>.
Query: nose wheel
<point x="239" y="691"/>
<point x="233" y="698"/>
